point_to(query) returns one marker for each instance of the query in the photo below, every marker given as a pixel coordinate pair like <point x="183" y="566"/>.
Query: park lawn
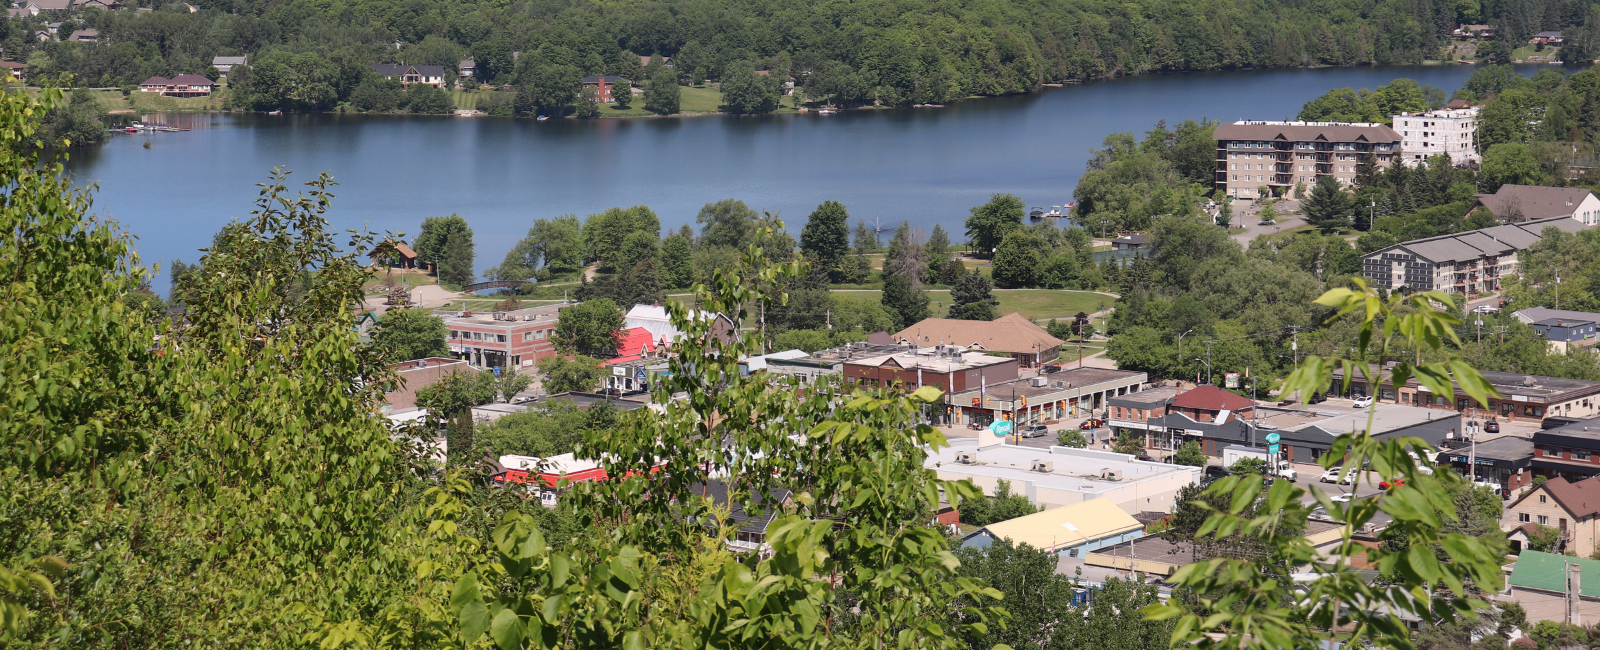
<point x="1033" y="304"/>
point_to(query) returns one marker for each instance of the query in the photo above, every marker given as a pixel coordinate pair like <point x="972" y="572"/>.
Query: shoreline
<point x="1043" y="87"/>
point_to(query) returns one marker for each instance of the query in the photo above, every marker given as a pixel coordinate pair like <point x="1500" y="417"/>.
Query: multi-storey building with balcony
<point x="1467" y="263"/>
<point x="1277" y="155"/>
<point x="1447" y="131"/>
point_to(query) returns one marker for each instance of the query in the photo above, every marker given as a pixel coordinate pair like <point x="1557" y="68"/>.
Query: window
<point x="1541" y="498"/>
<point x="1523" y="518"/>
<point x="454" y="334"/>
<point x="500" y="338"/>
<point x="1580" y="454"/>
<point x="1544" y="520"/>
<point x="527" y="336"/>
<point x="477" y="336"/>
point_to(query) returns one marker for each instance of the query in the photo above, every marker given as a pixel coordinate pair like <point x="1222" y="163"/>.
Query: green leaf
<point x="507" y="630"/>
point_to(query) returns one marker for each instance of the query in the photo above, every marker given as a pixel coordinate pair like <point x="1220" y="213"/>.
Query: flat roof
<point x="542" y="314"/>
<point x="932" y="359"/>
<point x="1388" y="417"/>
<point x="1583" y="429"/>
<point x="835" y="356"/>
<point x="1076" y="470"/>
<point x="1146" y="398"/>
<point x="1075" y="379"/>
<point x="1506" y="448"/>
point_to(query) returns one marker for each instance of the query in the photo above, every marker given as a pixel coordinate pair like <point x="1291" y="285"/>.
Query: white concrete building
<point x="1061" y="476"/>
<point x="1448" y="131"/>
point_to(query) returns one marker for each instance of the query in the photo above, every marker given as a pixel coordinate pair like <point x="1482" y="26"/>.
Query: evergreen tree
<point x="1329" y="205"/>
<point x="826" y="235"/>
<point x="905" y="255"/>
<point x="1225" y="213"/>
<point x="642" y="285"/>
<point x="1367" y="172"/>
<point x="455" y="269"/>
<point x="972" y="298"/>
<point x="906" y="303"/>
<point x="677" y="262"/>
<point x="866" y="238"/>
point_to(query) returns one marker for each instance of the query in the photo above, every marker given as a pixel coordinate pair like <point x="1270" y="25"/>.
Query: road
<point x="1245" y="215"/>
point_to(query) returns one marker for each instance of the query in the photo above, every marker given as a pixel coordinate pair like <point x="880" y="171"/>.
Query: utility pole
<point x="1480" y="329"/>
<point x="1180" y="347"/>
<point x="1558" y="289"/>
<point x="1472" y="454"/>
<point x="1208" y="361"/>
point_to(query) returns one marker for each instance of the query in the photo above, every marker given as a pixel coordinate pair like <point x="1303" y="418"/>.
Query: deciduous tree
<point x="562" y="374"/>
<point x="404" y="334"/>
<point x="992" y="221"/>
<point x="589" y="329"/>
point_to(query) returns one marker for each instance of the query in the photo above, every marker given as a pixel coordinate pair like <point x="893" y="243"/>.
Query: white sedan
<point x="1333" y="476"/>
<point x="1363" y="401"/>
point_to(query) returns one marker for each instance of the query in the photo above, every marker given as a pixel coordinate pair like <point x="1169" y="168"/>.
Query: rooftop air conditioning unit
<point x="1041" y="381"/>
<point x="1111" y="475"/>
<point x="1043" y="467"/>
<point x="966" y="458"/>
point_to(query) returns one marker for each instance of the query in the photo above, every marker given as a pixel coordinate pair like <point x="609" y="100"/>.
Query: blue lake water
<point x="924" y="165"/>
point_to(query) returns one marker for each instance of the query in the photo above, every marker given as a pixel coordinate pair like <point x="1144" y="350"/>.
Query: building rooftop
<point x="1077" y="470"/>
<point x="542" y="314"/>
<point x="1533" y="201"/>
<point x="1563" y="322"/>
<point x="1055" y="382"/>
<point x="1581" y="498"/>
<point x="1548" y="572"/>
<point x="1386" y="418"/>
<point x="932" y="359"/>
<point x="1537" y="314"/>
<point x="1010" y="333"/>
<point x="1068" y="525"/>
<point x="419" y="364"/>
<point x="1211" y="397"/>
<point x="832" y="357"/>
<point x="1506" y="448"/>
<point x="1306" y="131"/>
<point x="1147" y="398"/>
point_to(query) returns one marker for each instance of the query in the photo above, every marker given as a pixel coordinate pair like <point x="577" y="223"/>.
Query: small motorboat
<point x="1036" y="213"/>
<point x="1055" y="212"/>
<point x="274" y="112"/>
<point x="542" y="118"/>
<point x="826" y="111"/>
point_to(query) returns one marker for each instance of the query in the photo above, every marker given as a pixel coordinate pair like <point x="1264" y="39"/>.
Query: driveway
<point x="1245" y="215"/>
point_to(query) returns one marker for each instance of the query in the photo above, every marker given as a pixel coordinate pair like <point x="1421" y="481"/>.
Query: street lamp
<point x="1180" y="343"/>
<point x="1208" y="368"/>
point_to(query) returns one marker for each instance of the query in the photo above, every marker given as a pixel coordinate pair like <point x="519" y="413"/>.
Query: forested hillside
<point x="897" y="52"/>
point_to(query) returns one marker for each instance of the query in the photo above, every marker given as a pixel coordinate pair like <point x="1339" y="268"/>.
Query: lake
<point x="926" y="165"/>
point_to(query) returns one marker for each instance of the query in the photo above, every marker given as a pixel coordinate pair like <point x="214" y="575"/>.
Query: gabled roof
<point x="229" y="60"/>
<point x="82" y="34"/>
<point x="1211" y="398"/>
<point x="717" y="492"/>
<point x="155" y="81"/>
<point x="1533" y="201"/>
<point x="1580" y="499"/>
<point x="634" y="342"/>
<point x="1485" y="242"/>
<point x="389" y="69"/>
<point x="880" y="338"/>
<point x="192" y="80"/>
<point x="1010" y="333"/>
<point x="1306" y="132"/>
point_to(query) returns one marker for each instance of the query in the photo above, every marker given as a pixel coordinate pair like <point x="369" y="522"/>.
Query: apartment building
<point x="503" y="339"/>
<point x="1468" y="263"/>
<point x="1253" y="155"/>
<point x="1447" y="131"/>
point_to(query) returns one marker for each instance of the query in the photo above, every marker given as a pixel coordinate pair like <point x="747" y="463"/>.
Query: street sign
<point x="497" y="371"/>
<point x="1273" y="438"/>
<point x="1001" y="428"/>
<point x="1272" y="449"/>
<point x="639" y="374"/>
<point x="1231" y="380"/>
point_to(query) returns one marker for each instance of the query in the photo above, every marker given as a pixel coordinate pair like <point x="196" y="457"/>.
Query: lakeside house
<point x="603" y="86"/>
<point x="183" y="85"/>
<point x="17" y="70"/>
<point x="467" y="69"/>
<point x="407" y="75"/>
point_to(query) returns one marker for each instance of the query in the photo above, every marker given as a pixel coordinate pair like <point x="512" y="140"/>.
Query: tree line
<point x="851" y="56"/>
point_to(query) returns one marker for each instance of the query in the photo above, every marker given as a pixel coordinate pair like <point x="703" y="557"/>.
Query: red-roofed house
<point x="1572" y="508"/>
<point x="632" y="345"/>
<point x="1204" y="403"/>
<point x="1214" y="417"/>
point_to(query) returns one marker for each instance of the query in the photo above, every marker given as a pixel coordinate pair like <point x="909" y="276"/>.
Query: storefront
<point x="1506" y="461"/>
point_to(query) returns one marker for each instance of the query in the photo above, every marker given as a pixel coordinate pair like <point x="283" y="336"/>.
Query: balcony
<point x="1324" y="169"/>
<point x="1324" y="157"/>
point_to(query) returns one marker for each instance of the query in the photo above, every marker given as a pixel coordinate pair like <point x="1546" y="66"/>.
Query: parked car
<point x="1332" y="476"/>
<point x="1341" y="498"/>
<point x="1486" y="309"/>
<point x="1212" y="473"/>
<point x="1363" y="401"/>
<point x="1034" y="431"/>
<point x="1052" y="367"/>
<point x="1391" y="483"/>
<point x="1317" y="398"/>
<point x="1092" y="423"/>
<point x="1267" y="222"/>
<point x="1492" y="426"/>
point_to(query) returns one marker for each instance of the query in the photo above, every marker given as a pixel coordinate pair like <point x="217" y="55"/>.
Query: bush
<point x="1072" y="438"/>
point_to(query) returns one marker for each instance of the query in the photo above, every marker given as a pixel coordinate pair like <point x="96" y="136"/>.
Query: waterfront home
<point x="183" y="85"/>
<point x="603" y="86"/>
<point x="34" y="7"/>
<point x="17" y="70"/>
<point x="468" y="68"/>
<point x="1546" y="38"/>
<point x="427" y="75"/>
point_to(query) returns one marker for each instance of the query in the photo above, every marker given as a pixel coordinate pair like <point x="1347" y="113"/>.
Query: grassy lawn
<point x="1031" y="303"/>
<point x="465" y="100"/>
<point x="407" y="279"/>
<point x="113" y="100"/>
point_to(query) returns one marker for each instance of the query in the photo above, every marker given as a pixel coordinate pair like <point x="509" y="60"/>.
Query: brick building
<point x="510" y="339"/>
<point x="416" y="375"/>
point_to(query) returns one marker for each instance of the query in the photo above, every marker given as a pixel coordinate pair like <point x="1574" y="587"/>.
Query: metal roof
<point x="1547" y="572"/>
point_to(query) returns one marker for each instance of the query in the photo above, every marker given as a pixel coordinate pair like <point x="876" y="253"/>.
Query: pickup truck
<point x="1234" y="453"/>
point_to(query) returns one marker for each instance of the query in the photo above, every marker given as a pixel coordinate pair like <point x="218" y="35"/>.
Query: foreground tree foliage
<point x="1435" y="569"/>
<point x="229" y="486"/>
